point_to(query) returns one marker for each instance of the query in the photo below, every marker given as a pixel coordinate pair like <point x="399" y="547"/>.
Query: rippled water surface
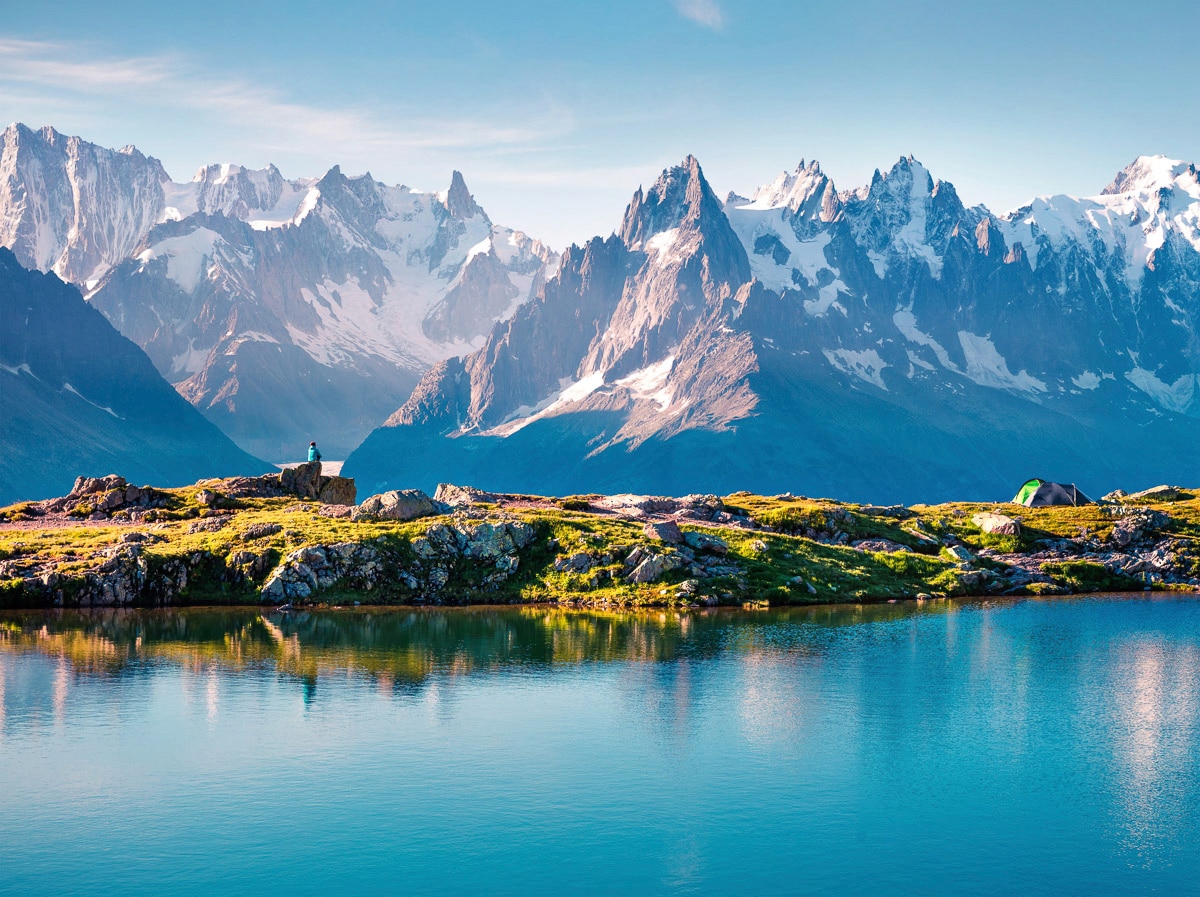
<point x="1024" y="747"/>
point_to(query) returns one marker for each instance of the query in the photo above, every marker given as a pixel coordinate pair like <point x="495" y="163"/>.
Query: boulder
<point x="266" y="486"/>
<point x="399" y="504"/>
<point x="885" y="545"/>
<point x="92" y="485"/>
<point x="261" y="531"/>
<point x="462" y="496"/>
<point x="1136" y="525"/>
<point x="705" y="542"/>
<point x="580" y="562"/>
<point x="668" y="531"/>
<point x="1157" y="493"/>
<point x="997" y="524"/>
<point x="337" y="491"/>
<point x="960" y="554"/>
<point x="649" y="569"/>
<point x="303" y="480"/>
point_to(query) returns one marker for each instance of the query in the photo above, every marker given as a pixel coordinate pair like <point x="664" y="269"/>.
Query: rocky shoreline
<point x="298" y="538"/>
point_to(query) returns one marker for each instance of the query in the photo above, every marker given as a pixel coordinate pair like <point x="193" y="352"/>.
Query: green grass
<point x="779" y="573"/>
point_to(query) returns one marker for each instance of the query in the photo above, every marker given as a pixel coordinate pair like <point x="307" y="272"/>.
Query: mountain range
<point x="887" y="343"/>
<point x="76" y="397"/>
<point x="283" y="309"/>
<point x="883" y="343"/>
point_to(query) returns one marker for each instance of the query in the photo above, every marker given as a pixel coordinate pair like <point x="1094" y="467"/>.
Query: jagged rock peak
<point x="459" y="200"/>
<point x="18" y="133"/>
<point x="806" y="191"/>
<point x="1146" y="174"/>
<point x="680" y="197"/>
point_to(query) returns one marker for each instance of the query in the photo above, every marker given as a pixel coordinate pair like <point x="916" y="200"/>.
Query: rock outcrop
<point x="485" y="554"/>
<point x="305" y="480"/>
<point x="398" y="504"/>
<point x="99" y="498"/>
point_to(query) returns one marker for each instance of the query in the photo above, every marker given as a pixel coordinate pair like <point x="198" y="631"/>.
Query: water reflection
<point x="405" y="647"/>
<point x="1019" y="746"/>
<point x="1155" y="689"/>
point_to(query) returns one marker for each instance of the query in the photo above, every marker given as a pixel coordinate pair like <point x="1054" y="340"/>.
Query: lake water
<point x="1030" y="746"/>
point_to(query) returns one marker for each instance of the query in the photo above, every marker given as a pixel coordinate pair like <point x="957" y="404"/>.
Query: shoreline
<point x="247" y="542"/>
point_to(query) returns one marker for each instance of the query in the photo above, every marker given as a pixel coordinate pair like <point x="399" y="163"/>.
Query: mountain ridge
<point x="76" y="396"/>
<point x="895" y="301"/>
<point x="328" y="295"/>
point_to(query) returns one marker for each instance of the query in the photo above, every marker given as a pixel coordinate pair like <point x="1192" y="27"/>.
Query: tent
<point x="1039" y="493"/>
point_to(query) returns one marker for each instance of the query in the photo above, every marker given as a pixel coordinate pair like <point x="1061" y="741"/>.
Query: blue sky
<point x="555" y="112"/>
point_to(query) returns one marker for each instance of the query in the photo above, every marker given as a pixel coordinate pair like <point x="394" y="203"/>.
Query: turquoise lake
<point x="1015" y="747"/>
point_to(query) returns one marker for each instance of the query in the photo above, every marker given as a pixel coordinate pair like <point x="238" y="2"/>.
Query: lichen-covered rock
<point x="261" y="531"/>
<point x="398" y="504"/>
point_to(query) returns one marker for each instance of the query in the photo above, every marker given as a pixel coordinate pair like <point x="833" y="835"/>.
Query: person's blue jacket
<point x="313" y="453"/>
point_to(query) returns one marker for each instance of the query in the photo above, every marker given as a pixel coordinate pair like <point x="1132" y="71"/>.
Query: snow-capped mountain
<point x="884" y="343"/>
<point x="283" y="309"/>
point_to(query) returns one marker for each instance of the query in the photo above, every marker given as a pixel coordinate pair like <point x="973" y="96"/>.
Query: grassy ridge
<point x="801" y="554"/>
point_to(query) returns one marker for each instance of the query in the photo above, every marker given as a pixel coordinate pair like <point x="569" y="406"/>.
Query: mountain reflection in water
<point x="989" y="747"/>
<point x="407" y="646"/>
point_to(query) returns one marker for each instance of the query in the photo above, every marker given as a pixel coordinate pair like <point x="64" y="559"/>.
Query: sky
<point x="556" y="112"/>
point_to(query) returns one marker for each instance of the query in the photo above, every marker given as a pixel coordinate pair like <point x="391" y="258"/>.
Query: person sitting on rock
<point x="314" y="453"/>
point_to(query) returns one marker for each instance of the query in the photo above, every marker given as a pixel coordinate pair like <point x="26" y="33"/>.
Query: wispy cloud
<point x="60" y="72"/>
<point x="703" y="12"/>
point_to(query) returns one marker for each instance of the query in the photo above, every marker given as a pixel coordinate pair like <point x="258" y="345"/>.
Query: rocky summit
<point x="246" y="540"/>
<point x="888" y="343"/>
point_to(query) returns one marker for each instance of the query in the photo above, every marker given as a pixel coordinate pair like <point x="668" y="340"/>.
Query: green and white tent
<point x="1040" y="493"/>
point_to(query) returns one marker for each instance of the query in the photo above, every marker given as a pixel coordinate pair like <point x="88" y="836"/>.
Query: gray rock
<point x="401" y="504"/>
<point x="885" y="545"/>
<point x="462" y="496"/>
<point x="92" y="485"/>
<point x="580" y="562"/>
<point x="303" y="480"/>
<point x="706" y="542"/>
<point x="1137" y="524"/>
<point x="261" y="530"/>
<point x="997" y="524"/>
<point x="649" y="569"/>
<point x="668" y="531"/>
<point x="960" y="554"/>
<point x="1157" y="493"/>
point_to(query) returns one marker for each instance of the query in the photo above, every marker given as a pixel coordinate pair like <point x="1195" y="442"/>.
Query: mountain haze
<point x="76" y="398"/>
